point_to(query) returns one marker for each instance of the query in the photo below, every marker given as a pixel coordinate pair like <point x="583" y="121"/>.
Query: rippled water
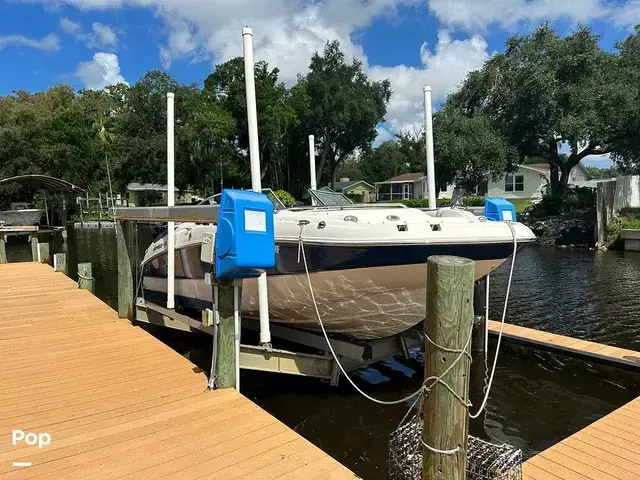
<point x="537" y="398"/>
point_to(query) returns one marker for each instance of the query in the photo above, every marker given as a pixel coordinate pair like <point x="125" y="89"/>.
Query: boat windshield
<point x="328" y="198"/>
<point x="277" y="204"/>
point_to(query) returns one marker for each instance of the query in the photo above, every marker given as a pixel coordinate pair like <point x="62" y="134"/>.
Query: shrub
<point x="473" y="201"/>
<point x="355" y="197"/>
<point x="423" y="202"/>
<point x="285" y="197"/>
<point x="629" y="219"/>
<point x="578" y="198"/>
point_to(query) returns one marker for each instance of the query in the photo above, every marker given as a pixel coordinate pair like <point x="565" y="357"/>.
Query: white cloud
<point x="444" y="68"/>
<point x="101" y="36"/>
<point x="100" y="72"/>
<point x="104" y="35"/>
<point x="48" y="42"/>
<point x="628" y="15"/>
<point x="600" y="161"/>
<point x="478" y="15"/>
<point x="69" y="26"/>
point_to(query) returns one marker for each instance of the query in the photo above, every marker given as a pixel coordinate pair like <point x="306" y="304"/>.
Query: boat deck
<point x="608" y="449"/>
<point x="567" y="345"/>
<point x="117" y="403"/>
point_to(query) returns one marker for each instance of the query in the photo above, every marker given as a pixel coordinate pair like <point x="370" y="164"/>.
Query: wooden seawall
<point x="117" y="403"/>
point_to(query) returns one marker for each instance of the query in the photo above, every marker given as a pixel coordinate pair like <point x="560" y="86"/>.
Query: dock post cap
<point x="247" y="31"/>
<point x="426" y="88"/>
<point x="170" y="95"/>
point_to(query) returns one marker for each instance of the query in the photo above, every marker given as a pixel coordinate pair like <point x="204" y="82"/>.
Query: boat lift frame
<point x="352" y="355"/>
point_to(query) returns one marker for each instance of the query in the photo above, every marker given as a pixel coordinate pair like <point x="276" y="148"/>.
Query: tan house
<point x="406" y="186"/>
<point x="531" y="181"/>
<point x="358" y="190"/>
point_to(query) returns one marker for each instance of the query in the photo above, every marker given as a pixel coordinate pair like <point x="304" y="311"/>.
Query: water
<point x="537" y="398"/>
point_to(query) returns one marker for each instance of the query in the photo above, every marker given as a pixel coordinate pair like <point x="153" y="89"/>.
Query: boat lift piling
<point x="428" y="135"/>
<point x="447" y="346"/>
<point x="256" y="174"/>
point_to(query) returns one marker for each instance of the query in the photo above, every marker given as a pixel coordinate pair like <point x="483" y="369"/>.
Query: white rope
<point x="83" y="277"/>
<point x="504" y="316"/>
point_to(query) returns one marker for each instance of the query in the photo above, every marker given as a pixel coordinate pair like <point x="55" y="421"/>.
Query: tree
<point x="469" y="150"/>
<point x="546" y="91"/>
<point x="383" y="162"/>
<point x="626" y="124"/>
<point x="340" y="105"/>
<point x="275" y="114"/>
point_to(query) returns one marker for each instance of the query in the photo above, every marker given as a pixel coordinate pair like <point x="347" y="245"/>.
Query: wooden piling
<point x="33" y="240"/>
<point x="3" y="248"/>
<point x="226" y="359"/>
<point x="43" y="252"/>
<point x="125" y="279"/>
<point x="479" y="320"/>
<point x="60" y="262"/>
<point x="448" y="326"/>
<point x="85" y="276"/>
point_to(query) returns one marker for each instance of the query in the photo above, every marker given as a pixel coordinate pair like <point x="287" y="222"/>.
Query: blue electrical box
<point x="499" y="210"/>
<point x="245" y="238"/>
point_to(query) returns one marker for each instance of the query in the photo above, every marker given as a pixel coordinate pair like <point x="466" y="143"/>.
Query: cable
<point x="504" y="316"/>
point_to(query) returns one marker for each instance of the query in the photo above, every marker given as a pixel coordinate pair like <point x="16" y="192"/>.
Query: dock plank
<point x="120" y="404"/>
<point x="608" y="449"/>
<point x="567" y="345"/>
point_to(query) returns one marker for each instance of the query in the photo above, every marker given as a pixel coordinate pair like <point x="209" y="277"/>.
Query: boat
<point x="20" y="215"/>
<point x="367" y="263"/>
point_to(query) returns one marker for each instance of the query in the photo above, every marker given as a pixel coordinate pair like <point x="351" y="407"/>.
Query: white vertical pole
<point x="428" y="128"/>
<point x="486" y="317"/>
<point x="312" y="164"/>
<point x="254" y="155"/>
<point x="171" y="238"/>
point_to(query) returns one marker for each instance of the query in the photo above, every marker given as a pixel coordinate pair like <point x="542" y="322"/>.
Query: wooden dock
<point x="608" y="449"/>
<point x="567" y="345"/>
<point x="117" y="403"/>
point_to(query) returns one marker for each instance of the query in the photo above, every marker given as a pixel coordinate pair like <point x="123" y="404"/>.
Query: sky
<point x="94" y="43"/>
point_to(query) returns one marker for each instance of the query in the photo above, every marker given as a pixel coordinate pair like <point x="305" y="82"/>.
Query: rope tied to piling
<point x="80" y="276"/>
<point x="429" y="382"/>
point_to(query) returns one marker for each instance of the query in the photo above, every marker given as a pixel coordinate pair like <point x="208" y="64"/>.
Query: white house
<point x="406" y="186"/>
<point x="531" y="181"/>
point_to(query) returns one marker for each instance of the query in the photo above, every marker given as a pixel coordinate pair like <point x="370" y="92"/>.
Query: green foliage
<point x="423" y="202"/>
<point x="285" y="197"/>
<point x="628" y="219"/>
<point x="341" y="105"/>
<point x="546" y="90"/>
<point x="355" y="197"/>
<point x="601" y="173"/>
<point x="521" y="204"/>
<point x="572" y="199"/>
<point x="473" y="201"/>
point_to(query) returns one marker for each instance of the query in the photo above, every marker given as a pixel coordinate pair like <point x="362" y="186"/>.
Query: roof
<point x="405" y="177"/>
<point x="147" y="187"/>
<point x="44" y="182"/>
<point x="342" y="186"/>
<point x="545" y="168"/>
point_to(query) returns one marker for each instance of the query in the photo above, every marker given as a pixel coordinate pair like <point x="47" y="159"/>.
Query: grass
<point x="521" y="204"/>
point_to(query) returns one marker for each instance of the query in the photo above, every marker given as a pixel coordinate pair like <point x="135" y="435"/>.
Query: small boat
<point x="20" y="215"/>
<point x="367" y="263"/>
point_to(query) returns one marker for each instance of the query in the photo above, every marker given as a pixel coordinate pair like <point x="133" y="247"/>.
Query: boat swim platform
<point x="552" y="342"/>
<point x="608" y="449"/>
<point x="117" y="403"/>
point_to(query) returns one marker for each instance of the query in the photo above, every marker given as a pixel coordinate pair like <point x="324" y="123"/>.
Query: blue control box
<point x="245" y="238"/>
<point x="499" y="210"/>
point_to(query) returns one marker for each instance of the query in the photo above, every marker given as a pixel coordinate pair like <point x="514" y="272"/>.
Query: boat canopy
<point x="44" y="182"/>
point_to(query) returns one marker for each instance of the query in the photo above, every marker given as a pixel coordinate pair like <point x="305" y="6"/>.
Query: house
<point x="531" y="181"/>
<point x="358" y="190"/>
<point x="406" y="186"/>
<point x="143" y="194"/>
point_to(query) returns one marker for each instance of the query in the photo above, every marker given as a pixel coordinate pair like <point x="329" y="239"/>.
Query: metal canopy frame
<point x="44" y="182"/>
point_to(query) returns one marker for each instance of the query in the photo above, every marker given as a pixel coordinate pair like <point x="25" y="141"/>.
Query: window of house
<point x="514" y="183"/>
